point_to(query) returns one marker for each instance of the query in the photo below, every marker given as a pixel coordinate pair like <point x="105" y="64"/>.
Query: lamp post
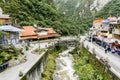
<point x="91" y="38"/>
<point x="38" y="43"/>
<point x="92" y="29"/>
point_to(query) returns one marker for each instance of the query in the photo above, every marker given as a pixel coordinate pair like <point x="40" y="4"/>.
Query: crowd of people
<point x="113" y="47"/>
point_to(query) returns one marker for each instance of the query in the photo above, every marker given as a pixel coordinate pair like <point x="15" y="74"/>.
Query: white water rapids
<point x="64" y="67"/>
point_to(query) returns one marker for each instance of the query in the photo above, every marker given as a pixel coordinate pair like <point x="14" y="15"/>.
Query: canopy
<point x="105" y="21"/>
<point x="10" y="28"/>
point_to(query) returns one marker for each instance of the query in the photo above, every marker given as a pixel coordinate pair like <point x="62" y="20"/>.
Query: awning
<point x="105" y="21"/>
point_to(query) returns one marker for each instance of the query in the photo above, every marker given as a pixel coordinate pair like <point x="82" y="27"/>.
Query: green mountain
<point x="111" y="9"/>
<point x="81" y="12"/>
<point x="27" y="12"/>
<point x="40" y="12"/>
<point x="79" y="8"/>
<point x="67" y="17"/>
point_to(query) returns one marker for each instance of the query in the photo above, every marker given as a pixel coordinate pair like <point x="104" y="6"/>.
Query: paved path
<point x="13" y="72"/>
<point x="114" y="60"/>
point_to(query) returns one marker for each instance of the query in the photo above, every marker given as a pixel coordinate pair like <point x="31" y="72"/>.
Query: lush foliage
<point x="2" y="33"/>
<point x="50" y="66"/>
<point x="79" y="15"/>
<point x="9" y="52"/>
<point x="43" y="13"/>
<point x="111" y="9"/>
<point x="88" y="67"/>
<point x="67" y="17"/>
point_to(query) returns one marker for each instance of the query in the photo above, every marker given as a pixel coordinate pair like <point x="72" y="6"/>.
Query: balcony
<point x="116" y="31"/>
<point x="104" y="29"/>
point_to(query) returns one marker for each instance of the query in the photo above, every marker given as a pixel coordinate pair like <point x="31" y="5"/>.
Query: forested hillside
<point x="80" y="11"/>
<point x="67" y="17"/>
<point x="40" y="12"/>
<point x="30" y="12"/>
<point x="111" y="9"/>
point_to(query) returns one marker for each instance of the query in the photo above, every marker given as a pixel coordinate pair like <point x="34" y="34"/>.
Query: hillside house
<point x="46" y="33"/>
<point x="37" y="33"/>
<point x="4" y="18"/>
<point x="11" y="36"/>
<point x="115" y="24"/>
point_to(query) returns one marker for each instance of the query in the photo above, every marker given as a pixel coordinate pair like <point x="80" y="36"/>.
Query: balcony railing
<point x="104" y="29"/>
<point x="116" y="31"/>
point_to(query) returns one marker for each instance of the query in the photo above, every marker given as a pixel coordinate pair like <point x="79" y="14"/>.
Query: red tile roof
<point x="50" y="30"/>
<point x="96" y="20"/>
<point x="30" y="33"/>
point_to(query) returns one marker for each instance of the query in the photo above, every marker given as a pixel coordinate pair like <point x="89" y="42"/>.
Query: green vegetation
<point x="2" y="33"/>
<point x="44" y="13"/>
<point x="67" y="17"/>
<point x="111" y="9"/>
<point x="9" y="52"/>
<point x="88" y="67"/>
<point x="50" y="65"/>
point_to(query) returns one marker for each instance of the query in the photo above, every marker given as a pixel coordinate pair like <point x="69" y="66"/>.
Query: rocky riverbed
<point x="64" y="66"/>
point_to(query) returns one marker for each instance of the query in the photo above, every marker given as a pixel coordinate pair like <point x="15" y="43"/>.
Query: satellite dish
<point x="35" y="25"/>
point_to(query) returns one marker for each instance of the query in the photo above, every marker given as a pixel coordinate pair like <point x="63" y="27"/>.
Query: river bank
<point x="88" y="67"/>
<point x="50" y="65"/>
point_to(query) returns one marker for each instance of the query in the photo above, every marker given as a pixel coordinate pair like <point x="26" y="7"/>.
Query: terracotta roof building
<point x="32" y="33"/>
<point x="46" y="33"/>
<point x="4" y="18"/>
<point x="28" y="33"/>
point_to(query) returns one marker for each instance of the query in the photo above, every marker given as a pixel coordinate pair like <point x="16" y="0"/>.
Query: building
<point x="46" y="33"/>
<point x="11" y="36"/>
<point x="37" y="33"/>
<point x="104" y="29"/>
<point x="96" y="26"/>
<point x="115" y="24"/>
<point x="4" y="18"/>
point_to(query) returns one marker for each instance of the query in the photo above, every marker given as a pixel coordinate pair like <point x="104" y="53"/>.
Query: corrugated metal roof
<point x="10" y="28"/>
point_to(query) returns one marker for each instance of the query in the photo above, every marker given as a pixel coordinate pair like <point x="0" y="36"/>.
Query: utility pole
<point x="38" y="43"/>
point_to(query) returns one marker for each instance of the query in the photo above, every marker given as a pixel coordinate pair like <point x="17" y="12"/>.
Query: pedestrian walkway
<point x="13" y="72"/>
<point x="113" y="60"/>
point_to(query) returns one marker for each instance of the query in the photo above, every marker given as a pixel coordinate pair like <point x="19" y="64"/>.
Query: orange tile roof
<point x="50" y="30"/>
<point x="28" y="31"/>
<point x="28" y="37"/>
<point x="96" y="20"/>
<point x="51" y="33"/>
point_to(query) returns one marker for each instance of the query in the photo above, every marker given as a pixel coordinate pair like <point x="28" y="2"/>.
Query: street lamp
<point x="91" y="38"/>
<point x="38" y="43"/>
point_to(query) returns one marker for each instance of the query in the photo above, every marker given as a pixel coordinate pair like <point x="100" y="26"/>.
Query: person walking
<point x="106" y="48"/>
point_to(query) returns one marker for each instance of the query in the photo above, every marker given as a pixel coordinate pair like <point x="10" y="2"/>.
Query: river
<point x="65" y="67"/>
